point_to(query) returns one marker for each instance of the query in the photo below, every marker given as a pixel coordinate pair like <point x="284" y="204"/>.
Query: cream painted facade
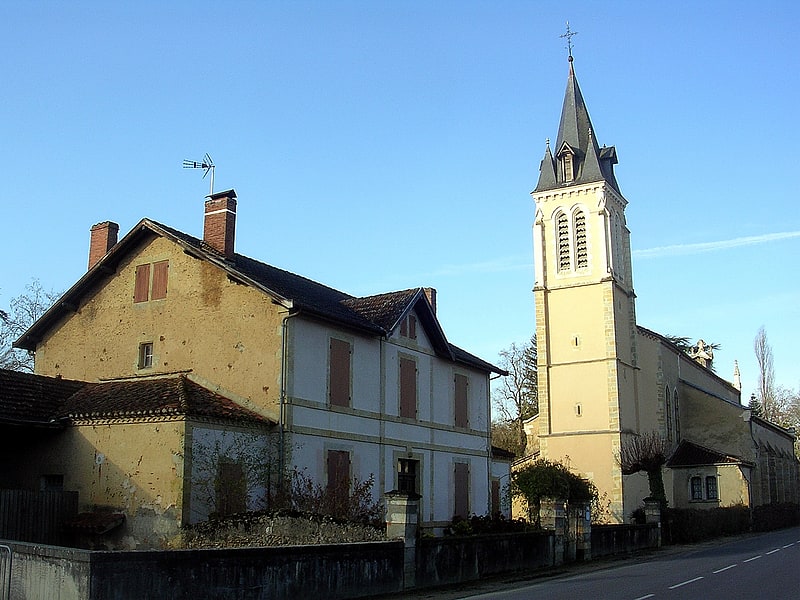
<point x="602" y="378"/>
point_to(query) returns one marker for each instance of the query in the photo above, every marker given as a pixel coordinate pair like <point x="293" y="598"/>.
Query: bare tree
<point x="516" y="398"/>
<point x="766" y="375"/>
<point x="646" y="452"/>
<point x="22" y="312"/>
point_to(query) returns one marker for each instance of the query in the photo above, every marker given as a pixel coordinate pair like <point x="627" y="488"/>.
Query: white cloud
<point x="683" y="249"/>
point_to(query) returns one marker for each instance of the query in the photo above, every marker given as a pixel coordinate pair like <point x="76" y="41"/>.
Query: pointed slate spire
<point x="578" y="158"/>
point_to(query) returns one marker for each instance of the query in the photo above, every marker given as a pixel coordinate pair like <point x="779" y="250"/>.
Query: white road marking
<point x="753" y="558"/>
<point x="672" y="587"/>
<point x="788" y="546"/>
<point x="724" y="569"/>
<point x="773" y="551"/>
<point x="644" y="597"/>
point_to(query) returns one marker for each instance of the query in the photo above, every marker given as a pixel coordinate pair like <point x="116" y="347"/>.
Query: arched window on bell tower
<point x="581" y="244"/>
<point x="563" y="246"/>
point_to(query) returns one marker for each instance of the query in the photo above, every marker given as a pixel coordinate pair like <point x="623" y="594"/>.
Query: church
<point x="605" y="380"/>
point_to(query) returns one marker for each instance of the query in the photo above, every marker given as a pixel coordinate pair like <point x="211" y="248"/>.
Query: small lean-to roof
<point x="373" y="315"/>
<point x="158" y="397"/>
<point x="36" y="400"/>
<point x="689" y="454"/>
<point x="28" y="399"/>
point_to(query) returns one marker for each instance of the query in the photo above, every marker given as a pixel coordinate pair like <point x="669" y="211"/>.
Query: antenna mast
<point x="206" y="164"/>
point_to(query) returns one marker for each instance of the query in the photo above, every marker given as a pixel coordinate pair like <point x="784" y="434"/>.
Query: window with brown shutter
<point x="338" y="475"/>
<point x="461" y="401"/>
<point x="141" y="286"/>
<point x="231" y="487"/>
<point x="339" y="375"/>
<point x="160" y="272"/>
<point x="461" y="490"/>
<point x="408" y="388"/>
<point x="496" y="507"/>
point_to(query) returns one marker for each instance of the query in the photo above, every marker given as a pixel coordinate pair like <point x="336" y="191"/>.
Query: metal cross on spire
<point x="569" y="35"/>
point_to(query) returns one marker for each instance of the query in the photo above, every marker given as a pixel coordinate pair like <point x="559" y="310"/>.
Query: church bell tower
<point x="585" y="309"/>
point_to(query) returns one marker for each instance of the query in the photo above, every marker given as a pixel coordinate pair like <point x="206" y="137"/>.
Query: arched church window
<point x="581" y="247"/>
<point x="668" y="412"/>
<point x="677" y="412"/>
<point x="563" y="245"/>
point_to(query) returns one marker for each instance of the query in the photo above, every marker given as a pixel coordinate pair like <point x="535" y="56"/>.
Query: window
<point x="697" y="488"/>
<point x="408" y="327"/>
<point x="338" y="484"/>
<point x="408" y="388"/>
<point x="676" y="410"/>
<point x="569" y="170"/>
<point x="496" y="506"/>
<point x="145" y="288"/>
<point x="339" y="373"/>
<point x="563" y="246"/>
<point x="461" y="401"/>
<point x="668" y="412"/>
<point x="581" y="249"/>
<point x="51" y="483"/>
<point x="461" y="490"/>
<point x="231" y="487"/>
<point x="407" y="475"/>
<point x="146" y="355"/>
<point x="711" y="488"/>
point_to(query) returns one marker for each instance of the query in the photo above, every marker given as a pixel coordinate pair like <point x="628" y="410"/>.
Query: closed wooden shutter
<point x="496" y="508"/>
<point x="338" y="476"/>
<point x="142" y="285"/>
<point x="461" y="403"/>
<point x="339" y="384"/>
<point x="408" y="388"/>
<point x="160" y="276"/>
<point x="461" y="490"/>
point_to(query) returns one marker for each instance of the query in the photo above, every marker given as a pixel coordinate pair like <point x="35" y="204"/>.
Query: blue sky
<point x="377" y="146"/>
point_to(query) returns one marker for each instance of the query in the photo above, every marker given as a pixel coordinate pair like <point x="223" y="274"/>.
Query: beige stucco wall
<point x="131" y="467"/>
<point x="224" y="332"/>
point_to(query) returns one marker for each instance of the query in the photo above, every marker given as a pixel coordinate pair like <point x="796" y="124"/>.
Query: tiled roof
<point x="688" y="454"/>
<point x="33" y="399"/>
<point x="27" y="399"/>
<point x="168" y="396"/>
<point x="383" y="309"/>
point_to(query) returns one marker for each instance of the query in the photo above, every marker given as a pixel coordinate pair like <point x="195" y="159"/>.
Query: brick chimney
<point x="219" y="228"/>
<point x="103" y="237"/>
<point x="431" y="294"/>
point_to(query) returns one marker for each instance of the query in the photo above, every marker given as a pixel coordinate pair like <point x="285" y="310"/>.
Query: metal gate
<point x="5" y="572"/>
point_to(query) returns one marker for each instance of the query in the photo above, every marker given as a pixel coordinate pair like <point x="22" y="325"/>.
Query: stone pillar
<point x="652" y="514"/>
<point x="553" y="517"/>
<point x="402" y="522"/>
<point x="583" y="530"/>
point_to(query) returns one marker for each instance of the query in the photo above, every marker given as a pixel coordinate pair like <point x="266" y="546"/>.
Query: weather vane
<point x="569" y="35"/>
<point x="206" y="164"/>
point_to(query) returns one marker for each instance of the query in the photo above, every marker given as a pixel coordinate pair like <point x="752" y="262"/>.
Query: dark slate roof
<point x="689" y="454"/>
<point x="577" y="136"/>
<point x="30" y="399"/>
<point x="374" y="315"/>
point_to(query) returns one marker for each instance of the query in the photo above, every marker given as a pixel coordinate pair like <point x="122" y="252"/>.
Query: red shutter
<point x="461" y="490"/>
<point x="160" y="276"/>
<point x="408" y="388"/>
<point x="461" y="404"/>
<point x="142" y="285"/>
<point x="339" y="383"/>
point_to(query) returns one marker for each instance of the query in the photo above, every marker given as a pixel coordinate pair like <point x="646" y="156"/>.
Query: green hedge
<point x="681" y="525"/>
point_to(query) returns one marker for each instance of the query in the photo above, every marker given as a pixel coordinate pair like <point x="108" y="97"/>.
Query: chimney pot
<point x="103" y="237"/>
<point x="219" y="228"/>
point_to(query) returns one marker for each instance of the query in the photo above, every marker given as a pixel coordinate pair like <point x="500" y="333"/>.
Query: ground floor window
<point x="711" y="488"/>
<point x="407" y="475"/>
<point x="697" y="488"/>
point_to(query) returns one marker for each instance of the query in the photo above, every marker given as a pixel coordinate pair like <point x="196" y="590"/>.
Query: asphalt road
<point x="756" y="566"/>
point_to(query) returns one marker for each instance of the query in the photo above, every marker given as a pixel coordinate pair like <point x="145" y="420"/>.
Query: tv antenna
<point x="206" y="164"/>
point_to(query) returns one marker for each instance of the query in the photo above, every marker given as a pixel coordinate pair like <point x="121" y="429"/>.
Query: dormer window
<point x="567" y="164"/>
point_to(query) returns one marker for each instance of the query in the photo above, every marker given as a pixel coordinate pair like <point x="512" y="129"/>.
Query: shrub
<point x="687" y="525"/>
<point x="776" y="516"/>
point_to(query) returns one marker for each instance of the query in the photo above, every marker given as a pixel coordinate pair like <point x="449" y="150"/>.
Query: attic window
<point x="408" y="327"/>
<point x="151" y="288"/>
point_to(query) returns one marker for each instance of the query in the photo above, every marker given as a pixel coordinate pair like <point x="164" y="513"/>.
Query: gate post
<point x="402" y="522"/>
